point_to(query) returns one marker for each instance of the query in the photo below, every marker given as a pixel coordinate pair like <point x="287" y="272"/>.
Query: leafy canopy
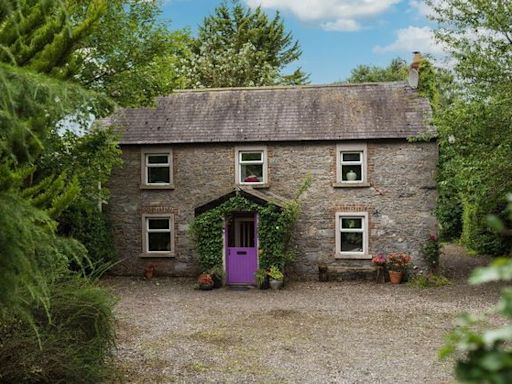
<point x="396" y="71"/>
<point x="475" y="128"/>
<point x="242" y="47"/>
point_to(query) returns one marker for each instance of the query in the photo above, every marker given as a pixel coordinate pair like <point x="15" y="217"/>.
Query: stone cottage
<point x="373" y="189"/>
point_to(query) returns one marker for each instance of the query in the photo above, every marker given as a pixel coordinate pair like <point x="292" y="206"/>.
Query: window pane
<point x="351" y="173"/>
<point x="158" y="223"/>
<point x="158" y="159"/>
<point x="351" y="156"/>
<point x="251" y="173"/>
<point x="352" y="223"/>
<point x="351" y="242"/>
<point x="158" y="175"/>
<point x="159" y="241"/>
<point x="251" y="156"/>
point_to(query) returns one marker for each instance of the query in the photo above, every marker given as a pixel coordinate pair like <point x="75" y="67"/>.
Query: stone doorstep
<point x="346" y="273"/>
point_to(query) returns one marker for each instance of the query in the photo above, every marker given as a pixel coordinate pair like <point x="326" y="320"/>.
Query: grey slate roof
<point x="333" y="112"/>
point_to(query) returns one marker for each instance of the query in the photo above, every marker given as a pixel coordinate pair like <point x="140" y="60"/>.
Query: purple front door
<point x="241" y="250"/>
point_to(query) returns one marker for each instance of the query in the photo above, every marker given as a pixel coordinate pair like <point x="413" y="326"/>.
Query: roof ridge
<point x="288" y="87"/>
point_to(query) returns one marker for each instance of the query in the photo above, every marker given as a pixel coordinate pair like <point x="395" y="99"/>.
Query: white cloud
<point x="420" y="7"/>
<point x="333" y="15"/>
<point x="341" y="25"/>
<point x="413" y="39"/>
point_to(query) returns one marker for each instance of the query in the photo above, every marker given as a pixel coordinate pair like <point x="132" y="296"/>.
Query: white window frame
<point x="351" y="148"/>
<point x="145" y="153"/>
<point x="146" y="231"/>
<point x="239" y="163"/>
<point x="364" y="230"/>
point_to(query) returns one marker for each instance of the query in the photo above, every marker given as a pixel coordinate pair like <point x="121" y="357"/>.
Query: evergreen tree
<point x="241" y="47"/>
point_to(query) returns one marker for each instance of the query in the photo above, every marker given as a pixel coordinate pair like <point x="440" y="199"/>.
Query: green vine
<point x="275" y="229"/>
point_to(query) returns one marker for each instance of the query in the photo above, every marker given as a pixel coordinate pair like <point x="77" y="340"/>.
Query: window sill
<point x="353" y="256"/>
<point x="255" y="186"/>
<point x="148" y="186"/>
<point x="350" y="185"/>
<point x="157" y="255"/>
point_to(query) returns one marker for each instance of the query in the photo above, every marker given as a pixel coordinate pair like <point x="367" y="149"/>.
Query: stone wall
<point x="400" y="200"/>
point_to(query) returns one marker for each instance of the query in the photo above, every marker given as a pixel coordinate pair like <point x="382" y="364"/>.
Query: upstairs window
<point x="157" y="169"/>
<point x="251" y="167"/>
<point x="351" y="165"/>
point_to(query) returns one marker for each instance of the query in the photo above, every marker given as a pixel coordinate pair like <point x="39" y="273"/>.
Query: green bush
<point x="432" y="252"/>
<point x="92" y="228"/>
<point x="73" y="343"/>
<point x="449" y="214"/>
<point x="476" y="234"/>
<point x="428" y="281"/>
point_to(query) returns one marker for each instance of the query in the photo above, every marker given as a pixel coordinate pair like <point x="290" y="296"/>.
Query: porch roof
<point x="260" y="197"/>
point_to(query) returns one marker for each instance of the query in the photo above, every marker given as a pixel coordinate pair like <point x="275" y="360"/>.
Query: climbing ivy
<point x="275" y="228"/>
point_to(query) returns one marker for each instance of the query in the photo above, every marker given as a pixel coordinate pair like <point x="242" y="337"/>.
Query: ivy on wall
<point x="275" y="229"/>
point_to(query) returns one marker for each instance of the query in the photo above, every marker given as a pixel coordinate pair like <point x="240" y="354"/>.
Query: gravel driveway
<point x="343" y="332"/>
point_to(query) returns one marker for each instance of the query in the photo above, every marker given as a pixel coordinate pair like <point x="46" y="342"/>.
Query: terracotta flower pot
<point x="395" y="277"/>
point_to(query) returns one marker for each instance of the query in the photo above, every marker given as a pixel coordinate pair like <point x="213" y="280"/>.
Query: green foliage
<point x="427" y="281"/>
<point x="484" y="353"/>
<point x="275" y="274"/>
<point x="132" y="57"/>
<point x="89" y="159"/>
<point x="478" y="35"/>
<point x="39" y="35"/>
<point x="242" y="47"/>
<point x="75" y="340"/>
<point x="432" y="252"/>
<point x="476" y="235"/>
<point x="275" y="229"/>
<point x="261" y="276"/>
<point x="55" y="325"/>
<point x="397" y="70"/>
<point x="475" y="130"/>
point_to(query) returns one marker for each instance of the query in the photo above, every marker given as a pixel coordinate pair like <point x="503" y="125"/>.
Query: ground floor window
<point x="158" y="235"/>
<point x="352" y="235"/>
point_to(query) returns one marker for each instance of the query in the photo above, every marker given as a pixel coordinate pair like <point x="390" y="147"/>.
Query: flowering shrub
<point x="379" y="260"/>
<point x="205" y="279"/>
<point x="398" y="261"/>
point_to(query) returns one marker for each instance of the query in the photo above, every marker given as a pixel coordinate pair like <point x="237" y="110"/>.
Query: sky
<point x="335" y="35"/>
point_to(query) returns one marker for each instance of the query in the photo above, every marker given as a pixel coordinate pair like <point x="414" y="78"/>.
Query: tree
<point x="475" y="130"/>
<point x="241" y="47"/>
<point x="396" y="71"/>
<point x="132" y="57"/>
<point x="483" y="352"/>
<point x="56" y="325"/>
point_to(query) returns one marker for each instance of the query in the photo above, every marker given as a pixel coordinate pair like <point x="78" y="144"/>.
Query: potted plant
<point x="217" y="274"/>
<point x="262" y="278"/>
<point x="205" y="282"/>
<point x="397" y="263"/>
<point x="276" y="277"/>
<point x="380" y="262"/>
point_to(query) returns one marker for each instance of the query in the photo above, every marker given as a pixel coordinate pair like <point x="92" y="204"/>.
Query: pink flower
<point x="379" y="260"/>
<point x="433" y="237"/>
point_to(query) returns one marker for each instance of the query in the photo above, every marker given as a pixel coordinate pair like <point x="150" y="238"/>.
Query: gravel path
<point x="346" y="332"/>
